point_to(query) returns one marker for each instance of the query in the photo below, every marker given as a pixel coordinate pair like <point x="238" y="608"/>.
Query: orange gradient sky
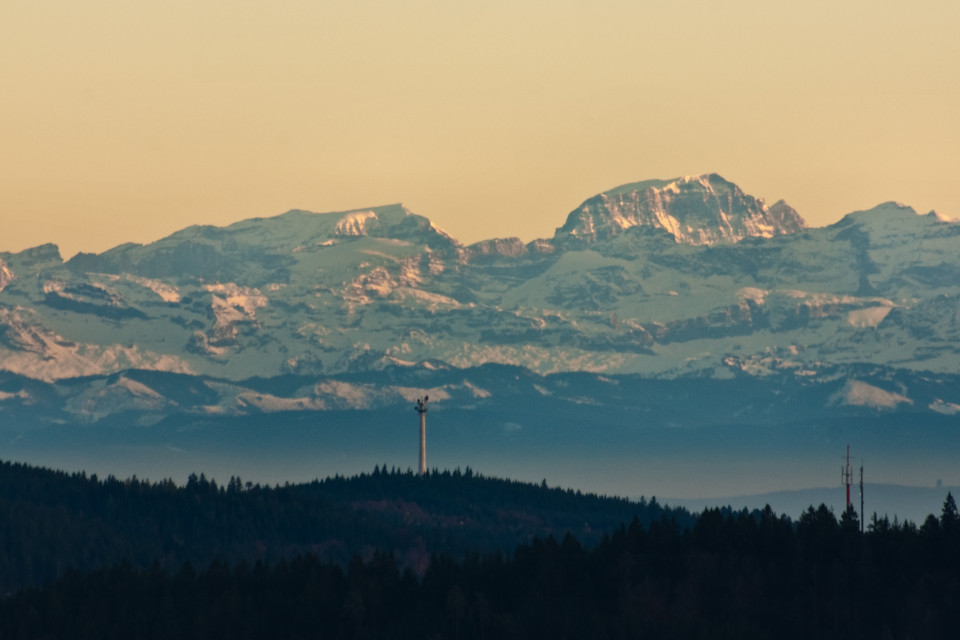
<point x="126" y="121"/>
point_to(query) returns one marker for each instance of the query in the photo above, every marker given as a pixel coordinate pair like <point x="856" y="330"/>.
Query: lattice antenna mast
<point x="846" y="476"/>
<point x="422" y="410"/>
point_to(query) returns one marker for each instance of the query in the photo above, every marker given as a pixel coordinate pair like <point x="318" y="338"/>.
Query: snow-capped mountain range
<point x="661" y="280"/>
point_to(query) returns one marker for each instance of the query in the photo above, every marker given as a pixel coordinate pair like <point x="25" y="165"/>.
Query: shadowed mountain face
<point x="689" y="279"/>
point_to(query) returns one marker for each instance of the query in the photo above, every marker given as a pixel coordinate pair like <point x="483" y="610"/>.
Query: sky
<point x="126" y="121"/>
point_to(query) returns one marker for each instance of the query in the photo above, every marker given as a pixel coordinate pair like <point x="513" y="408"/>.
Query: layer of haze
<point x="125" y="121"/>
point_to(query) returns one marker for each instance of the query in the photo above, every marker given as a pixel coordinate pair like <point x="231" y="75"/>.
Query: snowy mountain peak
<point x="35" y="257"/>
<point x="889" y="213"/>
<point x="699" y="210"/>
<point x="895" y="224"/>
<point x="890" y="208"/>
<point x="390" y="221"/>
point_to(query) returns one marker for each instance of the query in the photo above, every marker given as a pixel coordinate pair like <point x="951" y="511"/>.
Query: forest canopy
<point x="660" y="573"/>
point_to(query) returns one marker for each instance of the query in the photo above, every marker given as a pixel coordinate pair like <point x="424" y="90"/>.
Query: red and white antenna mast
<point x="846" y="476"/>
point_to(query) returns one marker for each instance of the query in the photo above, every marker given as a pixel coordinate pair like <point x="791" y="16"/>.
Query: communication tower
<point x="846" y="476"/>
<point x="422" y="410"/>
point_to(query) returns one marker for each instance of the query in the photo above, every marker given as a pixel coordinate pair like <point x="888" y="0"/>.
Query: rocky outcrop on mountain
<point x="6" y="275"/>
<point x="495" y="248"/>
<point x="699" y="210"/>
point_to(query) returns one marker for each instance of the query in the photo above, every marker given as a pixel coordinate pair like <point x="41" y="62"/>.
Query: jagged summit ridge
<point x="698" y="210"/>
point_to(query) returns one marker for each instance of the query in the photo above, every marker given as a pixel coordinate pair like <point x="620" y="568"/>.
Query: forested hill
<point x="451" y="555"/>
<point x="53" y="521"/>
<point x="734" y="575"/>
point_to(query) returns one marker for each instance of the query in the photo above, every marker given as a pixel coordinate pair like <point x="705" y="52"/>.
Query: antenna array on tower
<point x="422" y="410"/>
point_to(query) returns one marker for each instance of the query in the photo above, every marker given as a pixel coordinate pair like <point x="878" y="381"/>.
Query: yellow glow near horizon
<point x="127" y="121"/>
